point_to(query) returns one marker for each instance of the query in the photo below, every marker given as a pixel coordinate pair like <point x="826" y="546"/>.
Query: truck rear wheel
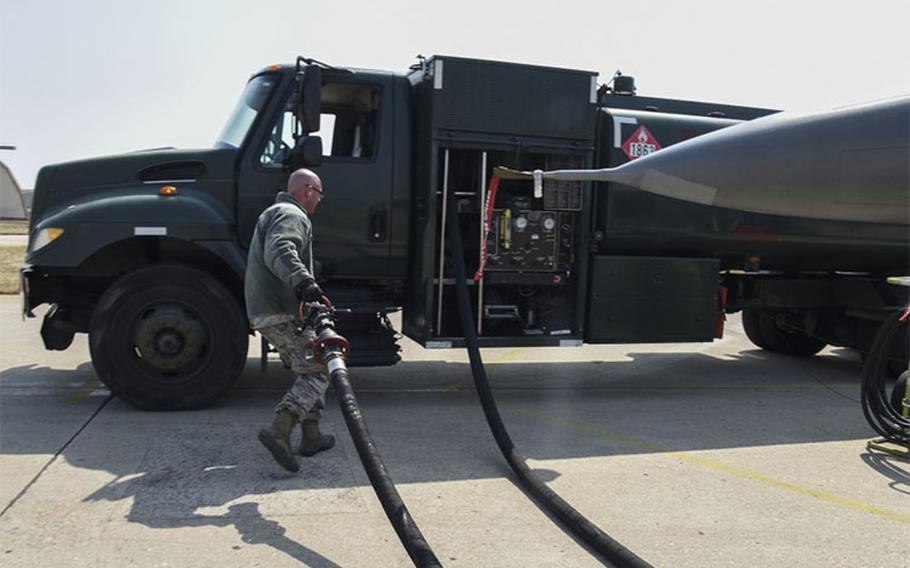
<point x="168" y="337"/>
<point x="769" y="334"/>
<point x="752" y="327"/>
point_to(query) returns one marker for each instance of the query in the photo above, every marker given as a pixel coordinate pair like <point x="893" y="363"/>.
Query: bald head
<point x="301" y="178"/>
<point x="306" y="187"/>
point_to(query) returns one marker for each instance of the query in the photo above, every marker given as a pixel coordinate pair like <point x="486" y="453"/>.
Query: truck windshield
<point x="251" y="102"/>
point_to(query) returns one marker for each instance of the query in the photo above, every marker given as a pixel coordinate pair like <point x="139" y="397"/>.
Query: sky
<point x="95" y="77"/>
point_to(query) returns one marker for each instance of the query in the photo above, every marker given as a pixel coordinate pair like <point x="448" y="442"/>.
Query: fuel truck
<point x="145" y="251"/>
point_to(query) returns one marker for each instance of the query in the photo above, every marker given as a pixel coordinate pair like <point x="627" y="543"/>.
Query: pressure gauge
<point x="521" y="223"/>
<point x="549" y="223"/>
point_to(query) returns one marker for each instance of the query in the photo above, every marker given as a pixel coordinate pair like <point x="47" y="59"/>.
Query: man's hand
<point x="310" y="293"/>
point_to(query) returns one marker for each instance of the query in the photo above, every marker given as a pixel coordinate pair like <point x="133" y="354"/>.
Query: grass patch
<point x="11" y="259"/>
<point x="14" y="227"/>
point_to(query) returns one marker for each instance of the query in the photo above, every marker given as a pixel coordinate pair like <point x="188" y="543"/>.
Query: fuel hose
<point x="881" y="413"/>
<point x="330" y="349"/>
<point x="605" y="548"/>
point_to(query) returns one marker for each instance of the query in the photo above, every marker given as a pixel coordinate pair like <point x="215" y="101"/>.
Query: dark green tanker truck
<point x="146" y="251"/>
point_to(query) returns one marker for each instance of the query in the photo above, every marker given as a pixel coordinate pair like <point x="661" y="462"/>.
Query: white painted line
<point x="150" y="231"/>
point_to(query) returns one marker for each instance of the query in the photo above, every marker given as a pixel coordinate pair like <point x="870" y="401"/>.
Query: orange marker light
<point x="168" y="190"/>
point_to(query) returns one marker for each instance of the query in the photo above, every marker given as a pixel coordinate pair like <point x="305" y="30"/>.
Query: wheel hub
<point x="168" y="342"/>
<point x="170" y="337"/>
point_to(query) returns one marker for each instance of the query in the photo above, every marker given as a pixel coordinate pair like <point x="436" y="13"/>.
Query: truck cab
<point x="146" y="251"/>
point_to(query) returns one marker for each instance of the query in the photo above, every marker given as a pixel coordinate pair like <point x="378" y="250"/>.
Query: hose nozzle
<point x="328" y="343"/>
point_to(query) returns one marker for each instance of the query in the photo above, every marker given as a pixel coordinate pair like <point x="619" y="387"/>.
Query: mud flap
<point x="57" y="330"/>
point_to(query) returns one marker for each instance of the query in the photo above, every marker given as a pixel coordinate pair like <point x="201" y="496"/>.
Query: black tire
<point x="752" y="327"/>
<point x="786" y="341"/>
<point x="168" y="337"/>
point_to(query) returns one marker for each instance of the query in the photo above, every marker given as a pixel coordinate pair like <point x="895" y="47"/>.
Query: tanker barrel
<point x="848" y="164"/>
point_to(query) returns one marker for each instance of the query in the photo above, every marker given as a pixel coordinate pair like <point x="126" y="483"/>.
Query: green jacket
<point x="280" y="260"/>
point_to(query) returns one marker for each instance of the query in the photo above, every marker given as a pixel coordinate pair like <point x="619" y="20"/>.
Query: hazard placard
<point x="641" y="143"/>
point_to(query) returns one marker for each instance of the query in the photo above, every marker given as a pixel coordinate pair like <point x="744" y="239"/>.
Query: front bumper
<point x="25" y="273"/>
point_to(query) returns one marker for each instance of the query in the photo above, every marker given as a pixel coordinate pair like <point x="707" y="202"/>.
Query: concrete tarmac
<point x="691" y="455"/>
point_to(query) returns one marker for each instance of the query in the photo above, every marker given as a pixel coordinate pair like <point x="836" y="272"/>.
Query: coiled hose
<point x="607" y="549"/>
<point x="877" y="405"/>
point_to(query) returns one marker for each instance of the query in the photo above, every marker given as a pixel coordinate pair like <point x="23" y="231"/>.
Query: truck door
<point x="351" y="225"/>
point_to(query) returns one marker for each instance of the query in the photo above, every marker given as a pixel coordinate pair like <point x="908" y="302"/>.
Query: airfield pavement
<point x="691" y="455"/>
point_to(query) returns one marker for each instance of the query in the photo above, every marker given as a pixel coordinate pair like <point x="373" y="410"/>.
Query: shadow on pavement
<point x="175" y="468"/>
<point x="894" y="468"/>
<point x="39" y="375"/>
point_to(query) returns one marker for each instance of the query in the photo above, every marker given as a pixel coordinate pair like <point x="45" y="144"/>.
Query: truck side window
<point x="280" y="141"/>
<point x="326" y="132"/>
<point x="355" y="112"/>
<point x="349" y="125"/>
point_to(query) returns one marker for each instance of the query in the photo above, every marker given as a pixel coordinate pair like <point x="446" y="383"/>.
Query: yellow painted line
<point x="715" y="465"/>
<point x="762" y="387"/>
<point x="510" y="355"/>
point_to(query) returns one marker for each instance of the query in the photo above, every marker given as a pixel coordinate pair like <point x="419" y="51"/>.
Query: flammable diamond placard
<point x="641" y="143"/>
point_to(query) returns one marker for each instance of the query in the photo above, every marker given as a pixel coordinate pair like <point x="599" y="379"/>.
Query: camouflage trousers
<point x="306" y="397"/>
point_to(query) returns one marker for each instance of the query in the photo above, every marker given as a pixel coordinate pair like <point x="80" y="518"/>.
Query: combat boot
<point x="313" y="441"/>
<point x="277" y="440"/>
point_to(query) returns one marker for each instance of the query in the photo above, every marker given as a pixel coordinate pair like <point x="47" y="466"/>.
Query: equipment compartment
<point x="473" y="116"/>
<point x="507" y="98"/>
<point x="525" y="282"/>
<point x="652" y="299"/>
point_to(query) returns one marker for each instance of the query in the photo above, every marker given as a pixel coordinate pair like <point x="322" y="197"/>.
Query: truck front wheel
<point x="168" y="337"/>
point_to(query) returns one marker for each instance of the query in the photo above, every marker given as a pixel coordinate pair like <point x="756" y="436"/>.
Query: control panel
<point x="527" y="240"/>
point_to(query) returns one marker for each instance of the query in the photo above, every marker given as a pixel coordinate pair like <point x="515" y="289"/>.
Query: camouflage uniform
<point x="306" y="397"/>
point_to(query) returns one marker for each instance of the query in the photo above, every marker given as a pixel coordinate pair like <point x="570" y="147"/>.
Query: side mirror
<point x="307" y="152"/>
<point x="309" y="97"/>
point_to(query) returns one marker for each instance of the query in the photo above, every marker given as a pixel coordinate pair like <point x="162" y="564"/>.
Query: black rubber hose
<point x="395" y="509"/>
<point x="608" y="550"/>
<point x="877" y="407"/>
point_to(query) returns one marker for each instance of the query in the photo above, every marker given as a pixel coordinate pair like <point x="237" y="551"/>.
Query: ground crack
<point x="54" y="458"/>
